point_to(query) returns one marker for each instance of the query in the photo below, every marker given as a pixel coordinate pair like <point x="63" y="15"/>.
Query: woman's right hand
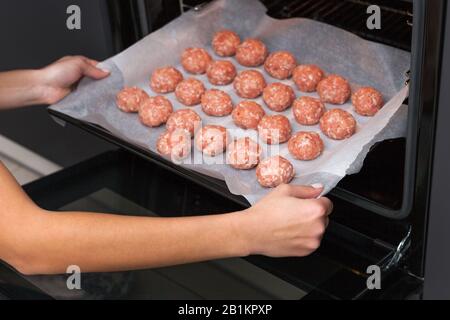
<point x="289" y="221"/>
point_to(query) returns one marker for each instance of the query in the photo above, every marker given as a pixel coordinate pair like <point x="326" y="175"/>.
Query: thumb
<point x="302" y="192"/>
<point x="93" y="72"/>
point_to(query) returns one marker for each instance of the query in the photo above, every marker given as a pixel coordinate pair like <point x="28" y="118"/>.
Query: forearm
<point x="21" y="88"/>
<point x="38" y="241"/>
<point x="49" y="242"/>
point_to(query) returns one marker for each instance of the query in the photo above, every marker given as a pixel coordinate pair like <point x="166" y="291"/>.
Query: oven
<point x="391" y="214"/>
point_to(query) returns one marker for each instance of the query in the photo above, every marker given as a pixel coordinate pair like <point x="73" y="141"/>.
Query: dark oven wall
<point x="34" y="35"/>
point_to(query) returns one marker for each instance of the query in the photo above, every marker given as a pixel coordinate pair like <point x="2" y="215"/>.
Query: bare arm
<point x="45" y="86"/>
<point x="20" y="88"/>
<point x="36" y="241"/>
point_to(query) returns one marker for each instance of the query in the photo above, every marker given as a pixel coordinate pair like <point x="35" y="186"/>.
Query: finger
<point x="92" y="62"/>
<point x="83" y="59"/>
<point x="305" y="192"/>
<point x="327" y="204"/>
<point x="93" y="72"/>
<point x="95" y="63"/>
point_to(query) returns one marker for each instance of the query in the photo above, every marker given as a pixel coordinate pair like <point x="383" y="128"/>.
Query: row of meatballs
<point x="250" y="84"/>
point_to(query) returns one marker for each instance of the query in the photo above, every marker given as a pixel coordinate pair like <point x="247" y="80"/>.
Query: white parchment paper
<point x="335" y="50"/>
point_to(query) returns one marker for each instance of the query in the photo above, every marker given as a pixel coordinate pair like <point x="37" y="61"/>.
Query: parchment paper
<point x="335" y="50"/>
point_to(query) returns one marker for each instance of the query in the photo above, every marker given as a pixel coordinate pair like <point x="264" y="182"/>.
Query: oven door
<point x="123" y="183"/>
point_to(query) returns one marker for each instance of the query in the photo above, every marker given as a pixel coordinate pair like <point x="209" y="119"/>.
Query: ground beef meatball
<point x="225" y="43"/>
<point x="308" y="110"/>
<point x="280" y="64"/>
<point x="273" y="171"/>
<point x="174" y="144"/>
<point x="216" y="103"/>
<point x="307" y="77"/>
<point x="195" y="60"/>
<point x="212" y="140"/>
<point x="334" y="89"/>
<point x="243" y="153"/>
<point x="165" y="79"/>
<point x="251" y="53"/>
<point x="130" y="99"/>
<point x="249" y="84"/>
<point x="189" y="91"/>
<point x="248" y="114"/>
<point x="367" y="101"/>
<point x="274" y="129"/>
<point x="338" y="124"/>
<point x="305" y="145"/>
<point x="155" y="111"/>
<point x="278" y="96"/>
<point x="221" y="72"/>
<point x="186" y="119"/>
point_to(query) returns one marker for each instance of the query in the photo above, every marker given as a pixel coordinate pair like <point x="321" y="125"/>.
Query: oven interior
<point x="385" y="184"/>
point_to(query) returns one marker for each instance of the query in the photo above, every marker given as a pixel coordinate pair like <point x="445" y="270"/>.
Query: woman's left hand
<point x="59" y="78"/>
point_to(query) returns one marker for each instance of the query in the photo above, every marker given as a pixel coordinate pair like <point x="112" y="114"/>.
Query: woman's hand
<point x="290" y="221"/>
<point x="48" y="85"/>
<point x="59" y="78"/>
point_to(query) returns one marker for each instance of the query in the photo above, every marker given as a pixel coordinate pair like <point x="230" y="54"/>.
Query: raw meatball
<point x="280" y="64"/>
<point x="308" y="110"/>
<point x="176" y="144"/>
<point x="186" y="119"/>
<point x="338" y="124"/>
<point x="189" y="92"/>
<point x="367" y="101"/>
<point x="278" y="96"/>
<point x="248" y="114"/>
<point x="251" y="53"/>
<point x="307" y="76"/>
<point x="305" y="145"/>
<point x="130" y="99"/>
<point x="195" y="60"/>
<point x="216" y="103"/>
<point x="155" y="111"/>
<point x="225" y="43"/>
<point x="274" y="129"/>
<point x="165" y="79"/>
<point x="274" y="171"/>
<point x="243" y="153"/>
<point x="212" y="140"/>
<point x="249" y="84"/>
<point x="221" y="72"/>
<point x="334" y="89"/>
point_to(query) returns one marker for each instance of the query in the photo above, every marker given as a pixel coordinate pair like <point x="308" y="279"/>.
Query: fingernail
<point x="317" y="185"/>
<point x="105" y="70"/>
